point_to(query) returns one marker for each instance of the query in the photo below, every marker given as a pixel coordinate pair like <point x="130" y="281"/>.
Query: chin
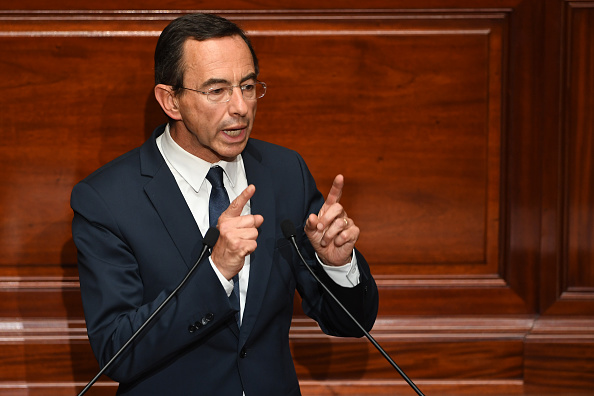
<point x="230" y="153"/>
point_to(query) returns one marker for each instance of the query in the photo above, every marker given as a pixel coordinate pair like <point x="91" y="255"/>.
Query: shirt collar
<point x="194" y="169"/>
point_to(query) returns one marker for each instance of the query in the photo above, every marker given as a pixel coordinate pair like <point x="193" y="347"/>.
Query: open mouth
<point x="233" y="132"/>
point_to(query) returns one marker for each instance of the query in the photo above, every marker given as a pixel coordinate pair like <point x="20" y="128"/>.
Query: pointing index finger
<point x="236" y="207"/>
<point x="336" y="190"/>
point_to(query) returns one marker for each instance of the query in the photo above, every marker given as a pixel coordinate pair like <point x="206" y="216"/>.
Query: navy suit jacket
<point x="136" y="240"/>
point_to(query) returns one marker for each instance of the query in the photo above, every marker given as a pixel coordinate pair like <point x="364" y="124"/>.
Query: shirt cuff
<point x="227" y="284"/>
<point x="345" y="275"/>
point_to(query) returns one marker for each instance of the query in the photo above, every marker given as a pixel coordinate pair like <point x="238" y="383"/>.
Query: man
<point x="139" y="221"/>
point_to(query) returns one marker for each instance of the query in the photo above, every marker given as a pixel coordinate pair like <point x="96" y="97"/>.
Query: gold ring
<point x="346" y="221"/>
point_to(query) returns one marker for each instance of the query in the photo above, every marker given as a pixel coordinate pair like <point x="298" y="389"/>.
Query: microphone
<point x="290" y="233"/>
<point x="211" y="237"/>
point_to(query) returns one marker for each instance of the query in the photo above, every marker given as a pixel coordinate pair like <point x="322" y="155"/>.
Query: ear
<point x="166" y="98"/>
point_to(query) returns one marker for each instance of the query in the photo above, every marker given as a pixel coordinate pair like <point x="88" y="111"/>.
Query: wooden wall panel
<point x="576" y="281"/>
<point x="559" y="354"/>
<point x="431" y="162"/>
<point x="412" y="116"/>
<point x="69" y="111"/>
<point x="414" y="134"/>
<point x="39" y="354"/>
<point x="568" y="266"/>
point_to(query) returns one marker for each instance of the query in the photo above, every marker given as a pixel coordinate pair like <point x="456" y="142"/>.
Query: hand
<point x="331" y="233"/>
<point x="237" y="237"/>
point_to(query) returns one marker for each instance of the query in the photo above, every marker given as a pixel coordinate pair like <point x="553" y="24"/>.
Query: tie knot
<point x="215" y="176"/>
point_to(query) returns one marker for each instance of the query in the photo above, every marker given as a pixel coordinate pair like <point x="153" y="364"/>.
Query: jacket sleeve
<point x="112" y="292"/>
<point x="361" y="301"/>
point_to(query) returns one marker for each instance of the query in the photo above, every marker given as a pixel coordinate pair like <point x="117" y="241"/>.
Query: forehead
<point x="225" y="58"/>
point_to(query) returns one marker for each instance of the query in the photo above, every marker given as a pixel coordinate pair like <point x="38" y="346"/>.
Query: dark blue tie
<point x="219" y="200"/>
<point x="217" y="204"/>
<point x="234" y="299"/>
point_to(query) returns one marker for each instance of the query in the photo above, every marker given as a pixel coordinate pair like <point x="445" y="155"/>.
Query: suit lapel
<point x="262" y="203"/>
<point x="164" y="194"/>
<point x="168" y="201"/>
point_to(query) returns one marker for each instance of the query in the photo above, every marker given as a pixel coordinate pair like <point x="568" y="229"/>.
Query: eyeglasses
<point x="250" y="91"/>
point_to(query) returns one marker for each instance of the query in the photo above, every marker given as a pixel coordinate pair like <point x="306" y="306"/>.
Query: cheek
<point x="252" y="113"/>
<point x="208" y="122"/>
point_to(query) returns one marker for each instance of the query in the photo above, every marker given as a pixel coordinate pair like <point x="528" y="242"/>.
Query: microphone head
<point x="211" y="237"/>
<point x="288" y="228"/>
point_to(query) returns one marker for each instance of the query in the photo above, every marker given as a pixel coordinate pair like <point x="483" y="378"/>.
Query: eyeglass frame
<point x="229" y="89"/>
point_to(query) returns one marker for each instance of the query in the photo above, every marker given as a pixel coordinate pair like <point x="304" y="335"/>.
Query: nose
<point x="237" y="104"/>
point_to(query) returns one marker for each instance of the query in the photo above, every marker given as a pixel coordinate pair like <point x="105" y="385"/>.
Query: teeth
<point x="233" y="132"/>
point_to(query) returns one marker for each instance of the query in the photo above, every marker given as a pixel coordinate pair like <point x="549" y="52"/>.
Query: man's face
<point x="215" y="131"/>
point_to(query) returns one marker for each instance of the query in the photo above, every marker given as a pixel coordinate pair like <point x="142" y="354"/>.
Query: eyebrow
<point x="213" y="81"/>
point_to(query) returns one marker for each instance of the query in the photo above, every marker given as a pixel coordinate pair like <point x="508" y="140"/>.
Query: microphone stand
<point x="290" y="232"/>
<point x="208" y="242"/>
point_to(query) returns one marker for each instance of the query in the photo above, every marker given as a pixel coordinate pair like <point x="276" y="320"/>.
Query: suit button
<point x="243" y="353"/>
<point x="207" y="318"/>
<point x="192" y="328"/>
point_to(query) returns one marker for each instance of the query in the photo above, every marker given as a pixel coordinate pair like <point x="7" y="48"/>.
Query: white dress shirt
<point x="190" y="174"/>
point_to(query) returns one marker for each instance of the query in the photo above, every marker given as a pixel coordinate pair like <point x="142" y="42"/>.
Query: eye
<point x="248" y="87"/>
<point x="216" y="91"/>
